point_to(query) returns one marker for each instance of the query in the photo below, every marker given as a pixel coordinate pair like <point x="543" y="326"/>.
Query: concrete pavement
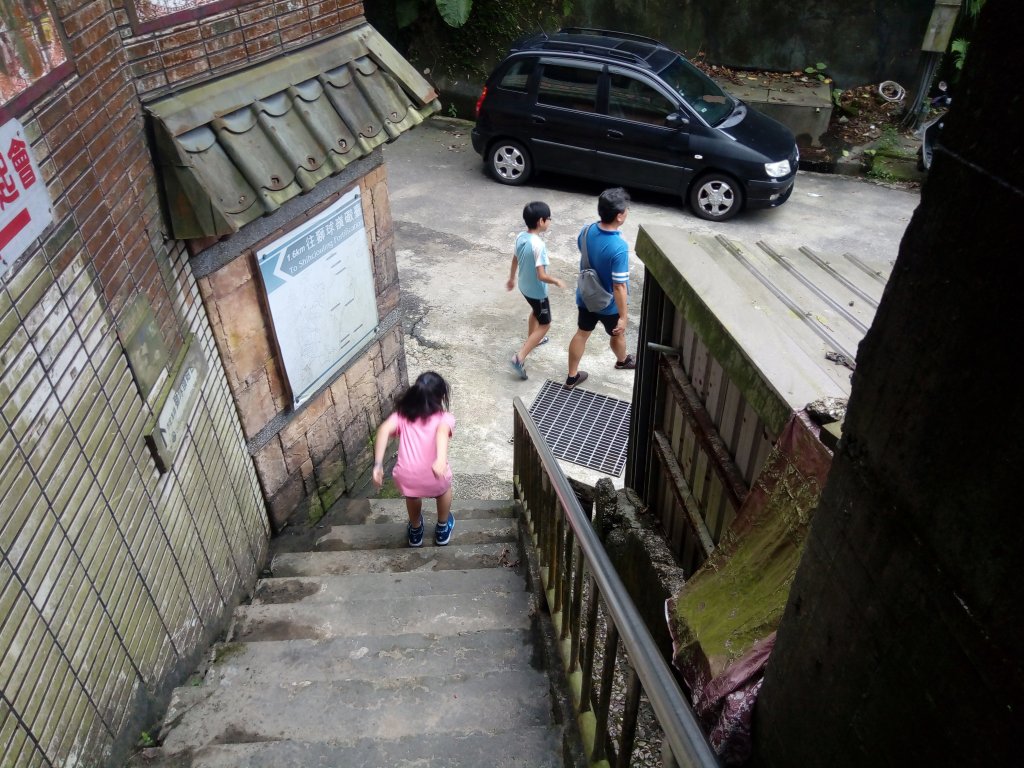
<point x="454" y="230"/>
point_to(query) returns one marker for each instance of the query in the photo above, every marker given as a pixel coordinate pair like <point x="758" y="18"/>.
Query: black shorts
<point x="588" y="320"/>
<point x="541" y="310"/>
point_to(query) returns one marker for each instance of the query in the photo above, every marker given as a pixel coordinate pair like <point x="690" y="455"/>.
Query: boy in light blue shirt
<point x="530" y="260"/>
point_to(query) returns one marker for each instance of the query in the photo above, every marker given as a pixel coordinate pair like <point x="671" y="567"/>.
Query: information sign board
<point x="320" y="290"/>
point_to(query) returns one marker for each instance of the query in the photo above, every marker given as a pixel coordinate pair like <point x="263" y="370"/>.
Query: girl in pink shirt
<point x="424" y="426"/>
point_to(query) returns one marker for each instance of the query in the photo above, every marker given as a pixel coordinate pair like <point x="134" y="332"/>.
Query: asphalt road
<point x="454" y="230"/>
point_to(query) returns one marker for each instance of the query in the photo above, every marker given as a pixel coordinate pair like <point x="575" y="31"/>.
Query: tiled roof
<point x="236" y="148"/>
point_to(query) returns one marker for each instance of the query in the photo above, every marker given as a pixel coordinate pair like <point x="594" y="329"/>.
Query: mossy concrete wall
<point x="860" y="43"/>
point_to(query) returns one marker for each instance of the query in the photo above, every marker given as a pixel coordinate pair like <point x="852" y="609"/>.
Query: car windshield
<point x="700" y="91"/>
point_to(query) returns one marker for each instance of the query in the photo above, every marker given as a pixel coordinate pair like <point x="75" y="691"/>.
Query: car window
<point x="631" y="99"/>
<point x="700" y="91"/>
<point x="517" y="76"/>
<point x="570" y="87"/>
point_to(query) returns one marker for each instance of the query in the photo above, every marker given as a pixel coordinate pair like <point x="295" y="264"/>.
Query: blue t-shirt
<point x="608" y="254"/>
<point x="530" y="254"/>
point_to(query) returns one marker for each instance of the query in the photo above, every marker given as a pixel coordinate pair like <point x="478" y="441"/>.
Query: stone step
<point x="443" y="614"/>
<point x="384" y="587"/>
<point x="382" y="510"/>
<point x="525" y="747"/>
<point x="393" y="535"/>
<point x="369" y="657"/>
<point x="342" y="712"/>
<point x="452" y="557"/>
<point x="379" y="510"/>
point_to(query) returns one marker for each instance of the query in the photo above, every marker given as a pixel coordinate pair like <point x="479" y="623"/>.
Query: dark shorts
<point x="588" y="320"/>
<point x="541" y="310"/>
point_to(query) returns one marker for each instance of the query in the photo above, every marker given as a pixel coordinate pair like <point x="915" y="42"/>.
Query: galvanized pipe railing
<point x="573" y="563"/>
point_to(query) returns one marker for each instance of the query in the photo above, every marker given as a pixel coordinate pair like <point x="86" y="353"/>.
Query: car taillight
<point x="480" y="101"/>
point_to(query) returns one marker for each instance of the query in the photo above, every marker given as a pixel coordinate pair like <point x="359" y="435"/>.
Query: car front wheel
<point x="509" y="163"/>
<point x="716" y="197"/>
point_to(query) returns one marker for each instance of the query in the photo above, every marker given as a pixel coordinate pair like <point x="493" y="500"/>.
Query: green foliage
<point x="837" y="97"/>
<point x="971" y="8"/>
<point x="454" y="12"/>
<point x="406" y="12"/>
<point x="146" y="740"/>
<point x="889" y="140"/>
<point x="958" y="48"/>
<point x="818" y="71"/>
<point x="473" y="49"/>
<point x="966" y="23"/>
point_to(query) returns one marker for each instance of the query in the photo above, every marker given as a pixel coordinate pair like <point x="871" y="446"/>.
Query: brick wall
<point x="309" y="457"/>
<point x="225" y="41"/>
<point x="113" y="575"/>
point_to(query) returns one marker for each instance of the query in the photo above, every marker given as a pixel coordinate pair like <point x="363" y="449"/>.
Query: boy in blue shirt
<point x="530" y="260"/>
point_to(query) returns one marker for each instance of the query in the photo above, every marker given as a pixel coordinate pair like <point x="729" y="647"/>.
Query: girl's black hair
<point x="427" y="396"/>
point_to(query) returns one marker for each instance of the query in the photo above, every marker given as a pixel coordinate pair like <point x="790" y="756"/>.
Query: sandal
<point x="628" y="364"/>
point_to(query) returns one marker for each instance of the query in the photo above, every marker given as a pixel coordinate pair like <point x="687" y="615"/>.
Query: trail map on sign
<point x="319" y="284"/>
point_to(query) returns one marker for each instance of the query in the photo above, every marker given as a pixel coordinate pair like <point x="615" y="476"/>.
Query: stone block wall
<point x="308" y="457"/>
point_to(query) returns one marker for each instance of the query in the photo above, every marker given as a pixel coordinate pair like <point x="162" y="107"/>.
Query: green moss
<point x="389" y="490"/>
<point x="314" y="509"/>
<point x="739" y="595"/>
<point x="226" y="651"/>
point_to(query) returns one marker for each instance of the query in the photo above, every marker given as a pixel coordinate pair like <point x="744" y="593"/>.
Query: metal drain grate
<point x="583" y="427"/>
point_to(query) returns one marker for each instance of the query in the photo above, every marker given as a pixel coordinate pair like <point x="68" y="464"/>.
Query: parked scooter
<point x="929" y="131"/>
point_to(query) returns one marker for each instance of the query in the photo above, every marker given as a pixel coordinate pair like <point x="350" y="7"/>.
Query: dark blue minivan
<point x="627" y="110"/>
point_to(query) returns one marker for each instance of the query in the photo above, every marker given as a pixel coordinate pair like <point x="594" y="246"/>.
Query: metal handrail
<point x="684" y="735"/>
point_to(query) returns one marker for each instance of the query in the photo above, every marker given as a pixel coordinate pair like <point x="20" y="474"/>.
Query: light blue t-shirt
<point x="530" y="254"/>
<point x="608" y="255"/>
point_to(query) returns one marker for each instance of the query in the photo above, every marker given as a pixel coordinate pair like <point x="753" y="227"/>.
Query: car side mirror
<point x="677" y="120"/>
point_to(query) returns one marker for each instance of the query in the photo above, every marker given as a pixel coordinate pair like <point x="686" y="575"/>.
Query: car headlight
<point x="777" y="170"/>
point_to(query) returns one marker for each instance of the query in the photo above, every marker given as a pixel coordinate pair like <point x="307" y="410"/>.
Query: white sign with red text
<point x="25" y="207"/>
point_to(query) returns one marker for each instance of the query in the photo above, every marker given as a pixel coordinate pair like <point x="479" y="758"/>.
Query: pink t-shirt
<point x="417" y="449"/>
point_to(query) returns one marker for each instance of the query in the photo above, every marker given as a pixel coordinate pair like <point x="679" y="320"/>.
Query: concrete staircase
<point x="359" y="651"/>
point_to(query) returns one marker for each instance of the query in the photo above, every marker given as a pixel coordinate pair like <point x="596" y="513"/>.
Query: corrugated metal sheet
<point x="759" y="332"/>
<point x="237" y="148"/>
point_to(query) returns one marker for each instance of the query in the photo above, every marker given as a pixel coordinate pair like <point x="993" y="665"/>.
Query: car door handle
<point x="538" y="120"/>
<point x="613" y="134"/>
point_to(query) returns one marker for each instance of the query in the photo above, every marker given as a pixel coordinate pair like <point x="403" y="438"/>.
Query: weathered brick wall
<point x="113" y="574"/>
<point x="308" y="457"/>
<point x="225" y="41"/>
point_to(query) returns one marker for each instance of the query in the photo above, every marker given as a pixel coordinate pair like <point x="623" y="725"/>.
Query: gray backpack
<point x="595" y="297"/>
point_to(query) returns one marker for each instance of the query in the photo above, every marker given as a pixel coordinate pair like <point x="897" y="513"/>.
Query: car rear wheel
<point x="716" y="197"/>
<point x="509" y="163"/>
